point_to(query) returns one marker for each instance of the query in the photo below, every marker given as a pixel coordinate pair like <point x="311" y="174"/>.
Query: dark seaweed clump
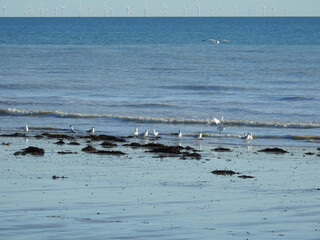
<point x="31" y="150"/>
<point x="230" y="173"/>
<point x="224" y="172"/>
<point x="91" y="149"/>
<point x="273" y="150"/>
<point x="66" y="152"/>
<point x="106" y="144"/>
<point x="245" y="176"/>
<point x="57" y="136"/>
<point x="309" y="153"/>
<point x="104" y="138"/>
<point x="54" y="177"/>
<point x="221" y="149"/>
<point x="167" y="151"/>
<point x="13" y="135"/>
<point x="103" y="152"/>
<point x="60" y="142"/>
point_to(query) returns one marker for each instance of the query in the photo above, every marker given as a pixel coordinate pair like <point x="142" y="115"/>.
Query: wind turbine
<point x="55" y="12"/>
<point x="273" y="10"/>
<point x="235" y="10"/>
<point x="105" y="10"/>
<point x="221" y="10"/>
<point x="212" y="12"/>
<point x="145" y="9"/>
<point x="165" y="10"/>
<point x="198" y="11"/>
<point x="41" y="9"/>
<point x="25" y="10"/>
<point x="30" y="10"/>
<point x="4" y="10"/>
<point x="249" y="11"/>
<point x="127" y="11"/>
<point x="46" y="12"/>
<point x="111" y="12"/>
<point x="184" y="11"/>
<point x="286" y="11"/>
<point x="79" y="10"/>
<point x="89" y="9"/>
<point x="264" y="10"/>
<point x="62" y="10"/>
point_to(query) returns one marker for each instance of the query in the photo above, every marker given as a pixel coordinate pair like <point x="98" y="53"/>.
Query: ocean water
<point x="118" y="73"/>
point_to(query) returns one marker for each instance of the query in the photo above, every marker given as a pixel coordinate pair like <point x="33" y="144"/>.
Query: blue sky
<point x="121" y="8"/>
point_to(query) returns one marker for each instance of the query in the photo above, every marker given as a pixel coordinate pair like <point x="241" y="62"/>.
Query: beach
<point x="69" y="193"/>
<point x="254" y="97"/>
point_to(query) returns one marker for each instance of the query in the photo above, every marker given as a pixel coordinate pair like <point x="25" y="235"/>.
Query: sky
<point x="151" y="8"/>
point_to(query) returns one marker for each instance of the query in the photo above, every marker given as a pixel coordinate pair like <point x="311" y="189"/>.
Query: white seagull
<point x="179" y="134"/>
<point x="155" y="134"/>
<point x="26" y="128"/>
<point x="215" y="41"/>
<point x="199" y="136"/>
<point x="247" y="136"/>
<point x="72" y="130"/>
<point x="136" y="132"/>
<point x="91" y="131"/>
<point x="220" y="124"/>
<point x="145" y="134"/>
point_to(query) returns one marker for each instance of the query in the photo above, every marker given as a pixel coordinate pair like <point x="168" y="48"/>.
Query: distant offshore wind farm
<point x="108" y="10"/>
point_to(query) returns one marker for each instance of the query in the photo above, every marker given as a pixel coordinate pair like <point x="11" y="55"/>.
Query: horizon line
<point x="160" y="16"/>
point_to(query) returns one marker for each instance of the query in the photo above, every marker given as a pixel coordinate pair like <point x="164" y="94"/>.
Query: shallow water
<point x="138" y="196"/>
<point x="118" y="73"/>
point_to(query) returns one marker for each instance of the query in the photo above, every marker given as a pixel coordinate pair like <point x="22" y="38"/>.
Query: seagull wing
<point x="225" y="41"/>
<point x="216" y="121"/>
<point x="212" y="40"/>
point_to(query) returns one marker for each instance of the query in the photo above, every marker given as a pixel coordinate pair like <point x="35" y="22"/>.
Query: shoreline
<point x="289" y="141"/>
<point x="189" y="139"/>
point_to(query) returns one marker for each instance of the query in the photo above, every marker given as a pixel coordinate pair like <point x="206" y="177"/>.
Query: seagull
<point x="145" y="134"/>
<point x="91" y="131"/>
<point x="72" y="130"/>
<point x="26" y="128"/>
<point x="247" y="136"/>
<point x="215" y="41"/>
<point x="199" y="137"/>
<point x="220" y="124"/>
<point x="136" y="132"/>
<point x="155" y="134"/>
<point x="179" y="134"/>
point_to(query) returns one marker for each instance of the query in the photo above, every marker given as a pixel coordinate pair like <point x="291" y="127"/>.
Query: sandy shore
<point x="147" y="192"/>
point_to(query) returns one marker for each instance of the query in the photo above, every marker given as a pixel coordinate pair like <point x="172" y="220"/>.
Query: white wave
<point x="144" y="119"/>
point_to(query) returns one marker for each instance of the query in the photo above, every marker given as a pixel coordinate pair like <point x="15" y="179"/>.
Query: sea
<point x="166" y="74"/>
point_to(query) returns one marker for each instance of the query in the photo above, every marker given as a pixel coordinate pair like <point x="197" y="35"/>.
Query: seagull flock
<point x="221" y="126"/>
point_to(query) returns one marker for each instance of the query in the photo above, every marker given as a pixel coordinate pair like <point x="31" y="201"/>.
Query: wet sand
<point x="239" y="193"/>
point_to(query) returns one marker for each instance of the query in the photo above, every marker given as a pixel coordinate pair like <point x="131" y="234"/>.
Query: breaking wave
<point x="169" y="120"/>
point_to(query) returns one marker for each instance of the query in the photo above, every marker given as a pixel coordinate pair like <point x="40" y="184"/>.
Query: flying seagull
<point x="220" y="124"/>
<point x="216" y="41"/>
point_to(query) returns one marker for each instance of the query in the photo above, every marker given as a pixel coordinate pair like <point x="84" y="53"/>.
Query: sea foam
<point x="146" y="119"/>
